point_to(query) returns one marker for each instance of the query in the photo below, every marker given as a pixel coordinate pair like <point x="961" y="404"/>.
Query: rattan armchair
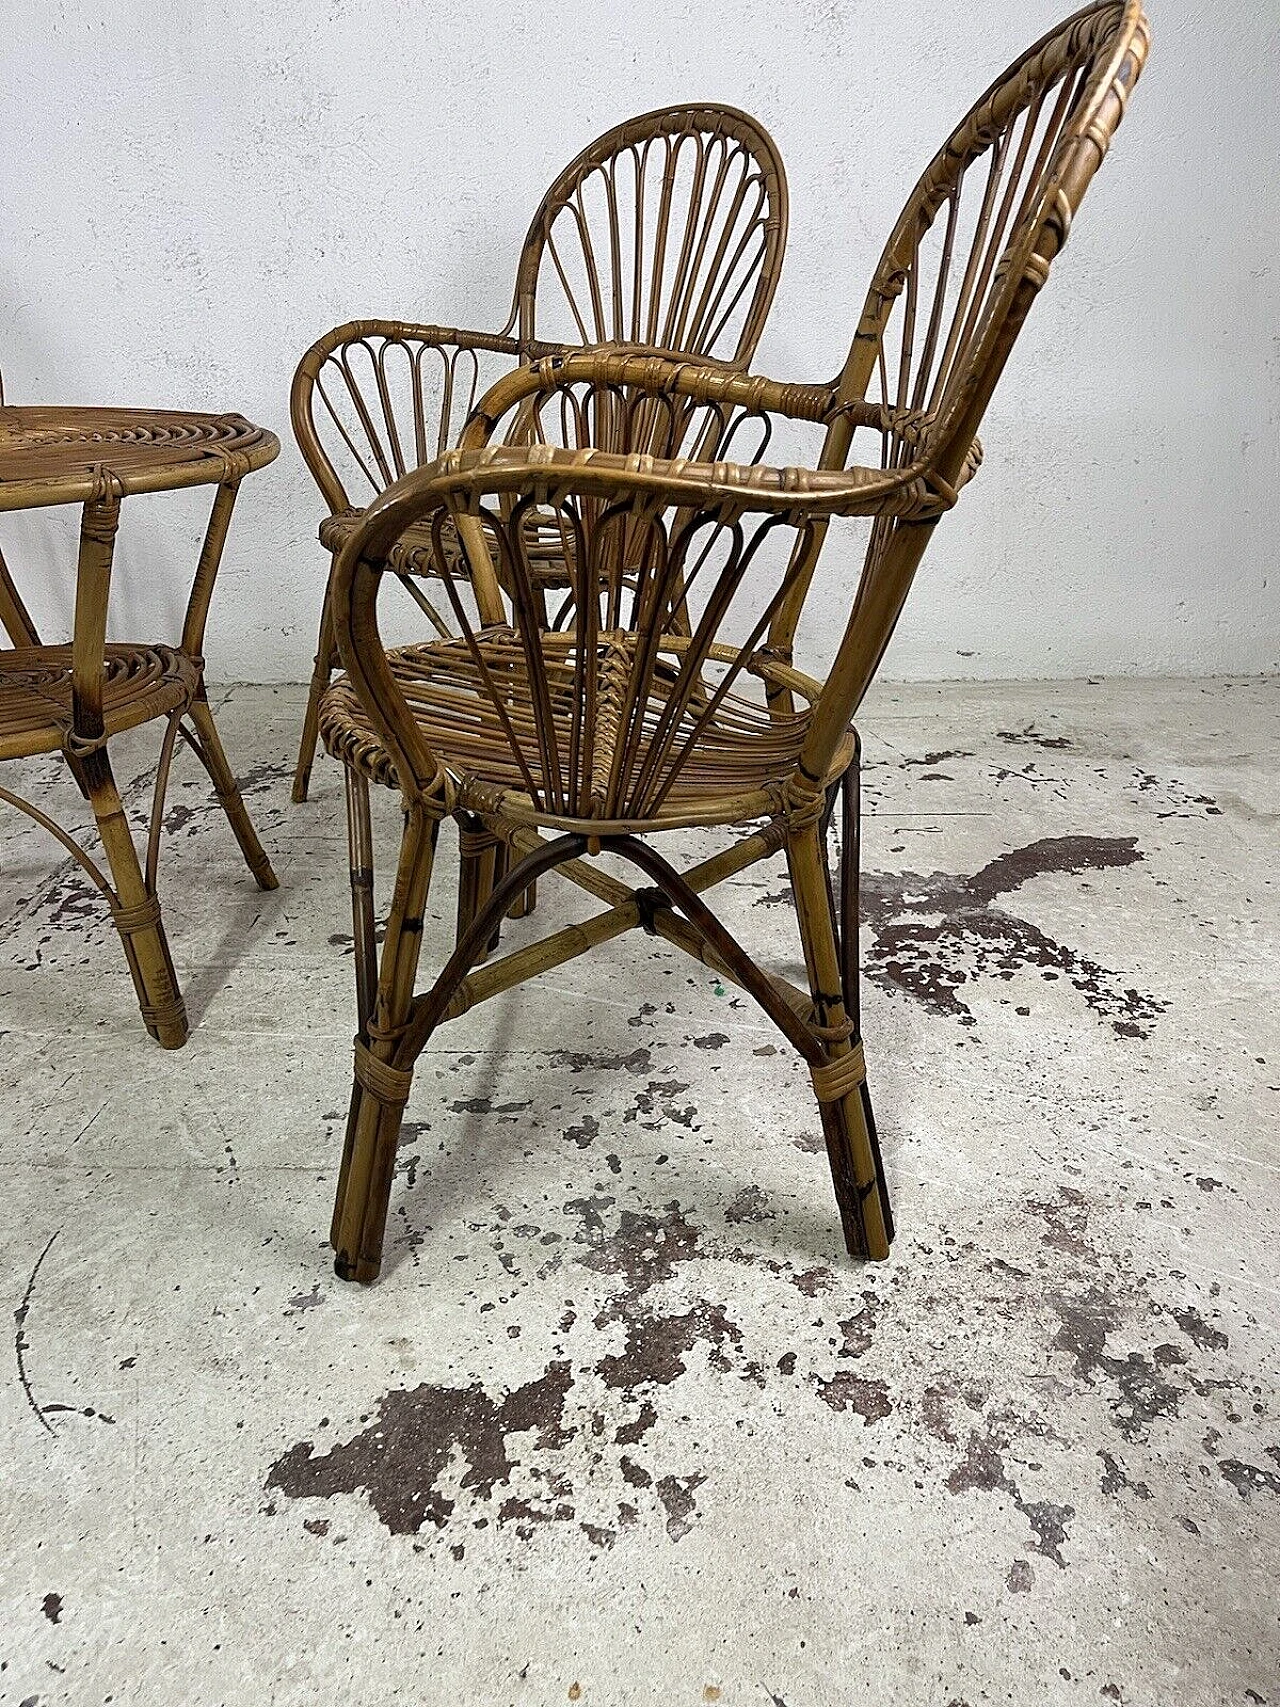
<point x="626" y="725"/>
<point x="667" y="232"/>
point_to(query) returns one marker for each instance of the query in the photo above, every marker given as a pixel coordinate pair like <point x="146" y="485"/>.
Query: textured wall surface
<point x="192" y="194"/>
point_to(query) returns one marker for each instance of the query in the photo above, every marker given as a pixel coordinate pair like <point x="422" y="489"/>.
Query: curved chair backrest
<point x="729" y="546"/>
<point x="667" y="232"/>
<point x="978" y="233"/>
<point x="970" y="251"/>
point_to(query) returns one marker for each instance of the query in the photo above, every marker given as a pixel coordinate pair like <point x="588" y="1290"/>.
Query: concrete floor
<point x="621" y="1423"/>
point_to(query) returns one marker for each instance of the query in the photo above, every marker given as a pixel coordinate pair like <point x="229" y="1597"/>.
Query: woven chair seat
<point x="139" y="683"/>
<point x="413" y="553"/>
<point x="735" y="768"/>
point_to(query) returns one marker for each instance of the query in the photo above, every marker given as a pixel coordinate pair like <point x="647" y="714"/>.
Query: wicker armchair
<point x="625" y="723"/>
<point x="667" y="233"/>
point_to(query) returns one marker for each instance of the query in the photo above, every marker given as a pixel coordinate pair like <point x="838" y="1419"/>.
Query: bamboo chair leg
<point x="214" y="759"/>
<point x="851" y="1151"/>
<point x="479" y="872"/>
<point x="136" y="912"/>
<point x="363" y="927"/>
<point x="501" y="862"/>
<point x="16" y="621"/>
<point x="322" y="671"/>
<point x="468" y="887"/>
<point x="482" y="864"/>
<point x="526" y="904"/>
<point x="850" y="952"/>
<point x="76" y="767"/>
<point x="380" y="1088"/>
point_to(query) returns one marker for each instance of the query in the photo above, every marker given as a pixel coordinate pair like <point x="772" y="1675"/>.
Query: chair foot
<point x="308" y="745"/>
<point x="861" y="1194"/>
<point x="364" y="1186"/>
<point x="525" y="904"/>
<point x="255" y="855"/>
<point x="173" y="1035"/>
<point x="326" y="660"/>
<point x="882" y="1183"/>
<point x="363" y="1274"/>
<point x="309" y="742"/>
<point x="135" y="912"/>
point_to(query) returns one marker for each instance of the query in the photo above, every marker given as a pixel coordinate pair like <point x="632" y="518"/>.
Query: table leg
<point x="135" y="911"/>
<point x="16" y="621"/>
<point x="213" y="756"/>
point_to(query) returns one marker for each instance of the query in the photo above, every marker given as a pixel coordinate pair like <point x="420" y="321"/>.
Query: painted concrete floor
<point x="621" y="1423"/>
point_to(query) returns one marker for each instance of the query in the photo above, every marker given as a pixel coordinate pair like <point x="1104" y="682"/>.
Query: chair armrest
<point x="367" y="386"/>
<point x="659" y="373"/>
<point x="550" y="472"/>
<point x="707" y="426"/>
<point x="904" y="489"/>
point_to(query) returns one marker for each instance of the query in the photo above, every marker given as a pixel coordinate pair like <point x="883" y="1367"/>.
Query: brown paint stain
<point x="1249" y="1479"/>
<point x="1200" y="1332"/>
<point x="629" y="1434"/>
<point x="408" y="1456"/>
<point x="1030" y="737"/>
<point x="983" y="1469"/>
<point x="1142" y="1385"/>
<point x="656" y="1345"/>
<point x="646" y="1249"/>
<point x="676" y="1494"/>
<point x="858" y="1331"/>
<point x="1116" y="1480"/>
<point x="935" y="933"/>
<point x="813" y="1281"/>
<point x="848" y="1392"/>
<point x="400" y="1460"/>
<point x="930" y="760"/>
<point x="435" y="1448"/>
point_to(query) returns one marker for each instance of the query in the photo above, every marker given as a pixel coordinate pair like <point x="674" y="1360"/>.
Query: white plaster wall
<point x="193" y="192"/>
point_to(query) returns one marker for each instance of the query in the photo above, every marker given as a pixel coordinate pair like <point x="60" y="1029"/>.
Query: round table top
<point x="70" y="456"/>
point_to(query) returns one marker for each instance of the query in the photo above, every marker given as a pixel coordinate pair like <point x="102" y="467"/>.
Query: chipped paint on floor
<point x="622" y="1423"/>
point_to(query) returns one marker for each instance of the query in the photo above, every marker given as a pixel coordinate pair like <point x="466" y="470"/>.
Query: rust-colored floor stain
<point x="933" y="934"/>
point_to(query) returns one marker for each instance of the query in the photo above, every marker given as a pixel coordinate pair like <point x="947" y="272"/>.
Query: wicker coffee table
<point x="75" y="698"/>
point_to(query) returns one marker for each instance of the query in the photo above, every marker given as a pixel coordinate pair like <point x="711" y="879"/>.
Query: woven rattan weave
<point x="74" y="698"/>
<point x="667" y="233"/>
<point x="666" y="695"/>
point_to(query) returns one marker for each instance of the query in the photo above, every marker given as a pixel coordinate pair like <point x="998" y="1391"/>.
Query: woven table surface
<point x="61" y="456"/>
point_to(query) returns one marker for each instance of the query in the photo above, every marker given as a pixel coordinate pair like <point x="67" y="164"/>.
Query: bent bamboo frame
<point x="622" y="724"/>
